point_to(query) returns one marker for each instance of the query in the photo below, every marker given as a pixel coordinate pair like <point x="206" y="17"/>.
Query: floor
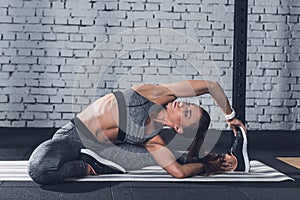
<point x="17" y="144"/>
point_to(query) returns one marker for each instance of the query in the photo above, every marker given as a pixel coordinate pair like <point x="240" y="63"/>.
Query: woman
<point x="132" y="120"/>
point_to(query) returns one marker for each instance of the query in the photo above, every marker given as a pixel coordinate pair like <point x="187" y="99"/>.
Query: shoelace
<point x="234" y="145"/>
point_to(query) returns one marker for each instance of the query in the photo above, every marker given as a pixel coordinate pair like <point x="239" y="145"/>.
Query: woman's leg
<point x="57" y="159"/>
<point x="129" y="156"/>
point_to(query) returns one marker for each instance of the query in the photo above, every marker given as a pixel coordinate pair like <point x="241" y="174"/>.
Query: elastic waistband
<point x="122" y="115"/>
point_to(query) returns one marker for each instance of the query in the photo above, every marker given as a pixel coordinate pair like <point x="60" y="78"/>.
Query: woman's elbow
<point x="213" y="84"/>
<point x="178" y="173"/>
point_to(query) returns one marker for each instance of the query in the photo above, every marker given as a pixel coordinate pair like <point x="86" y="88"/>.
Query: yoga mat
<point x="293" y="161"/>
<point x="259" y="172"/>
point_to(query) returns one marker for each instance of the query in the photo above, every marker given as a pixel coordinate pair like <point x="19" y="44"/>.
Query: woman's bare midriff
<point x="102" y="118"/>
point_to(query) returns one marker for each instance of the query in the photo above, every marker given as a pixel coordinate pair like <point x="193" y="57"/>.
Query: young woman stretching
<point x="124" y="127"/>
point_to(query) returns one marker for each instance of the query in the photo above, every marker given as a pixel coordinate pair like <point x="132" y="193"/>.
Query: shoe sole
<point x="245" y="151"/>
<point x="102" y="160"/>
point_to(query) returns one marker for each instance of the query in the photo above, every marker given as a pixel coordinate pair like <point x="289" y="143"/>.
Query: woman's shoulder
<point x="155" y="93"/>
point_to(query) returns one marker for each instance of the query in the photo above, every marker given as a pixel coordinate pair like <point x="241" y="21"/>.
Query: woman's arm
<point x="165" y="158"/>
<point x="164" y="93"/>
<point x="217" y="93"/>
<point x="200" y="87"/>
<point x="193" y="88"/>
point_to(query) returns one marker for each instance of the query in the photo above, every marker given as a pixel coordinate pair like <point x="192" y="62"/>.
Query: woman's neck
<point x="155" y="121"/>
<point x="160" y="116"/>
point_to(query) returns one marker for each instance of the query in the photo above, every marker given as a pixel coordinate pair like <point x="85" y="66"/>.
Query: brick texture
<point x="59" y="56"/>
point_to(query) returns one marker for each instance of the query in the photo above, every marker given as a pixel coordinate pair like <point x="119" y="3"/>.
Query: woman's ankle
<point x="90" y="170"/>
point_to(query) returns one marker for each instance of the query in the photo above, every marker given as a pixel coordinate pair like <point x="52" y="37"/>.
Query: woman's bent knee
<point x="37" y="174"/>
<point x="41" y="172"/>
<point x="41" y="165"/>
<point x="47" y="158"/>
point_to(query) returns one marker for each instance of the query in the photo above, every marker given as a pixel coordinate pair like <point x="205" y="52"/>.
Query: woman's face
<point x="183" y="114"/>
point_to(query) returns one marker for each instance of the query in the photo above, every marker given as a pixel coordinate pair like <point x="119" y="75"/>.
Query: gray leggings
<point x="59" y="158"/>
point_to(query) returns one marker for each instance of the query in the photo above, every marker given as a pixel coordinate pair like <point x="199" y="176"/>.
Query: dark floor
<point x="17" y="144"/>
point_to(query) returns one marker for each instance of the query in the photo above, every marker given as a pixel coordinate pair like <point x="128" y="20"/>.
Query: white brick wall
<point x="273" y="54"/>
<point x="58" y="56"/>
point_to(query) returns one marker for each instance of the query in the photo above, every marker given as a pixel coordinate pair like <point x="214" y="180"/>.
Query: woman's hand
<point x="233" y="123"/>
<point x="230" y="163"/>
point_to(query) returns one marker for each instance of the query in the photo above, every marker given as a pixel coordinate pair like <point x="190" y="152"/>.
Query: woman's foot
<point x="98" y="165"/>
<point x="90" y="170"/>
<point x="240" y="150"/>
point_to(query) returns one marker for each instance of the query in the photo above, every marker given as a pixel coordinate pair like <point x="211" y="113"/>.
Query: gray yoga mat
<point x="259" y="172"/>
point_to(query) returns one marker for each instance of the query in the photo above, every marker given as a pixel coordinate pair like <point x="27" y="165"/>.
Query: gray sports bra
<point x="134" y="110"/>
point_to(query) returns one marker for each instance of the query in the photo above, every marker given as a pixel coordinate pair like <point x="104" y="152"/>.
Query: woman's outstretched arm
<point x="165" y="158"/>
<point x="199" y="87"/>
<point x="193" y="88"/>
<point x="164" y="93"/>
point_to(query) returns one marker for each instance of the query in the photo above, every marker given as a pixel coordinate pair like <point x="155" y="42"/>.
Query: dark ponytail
<point x="198" y="131"/>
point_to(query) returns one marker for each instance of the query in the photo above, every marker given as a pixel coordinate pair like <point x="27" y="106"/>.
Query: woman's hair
<point x="198" y="132"/>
